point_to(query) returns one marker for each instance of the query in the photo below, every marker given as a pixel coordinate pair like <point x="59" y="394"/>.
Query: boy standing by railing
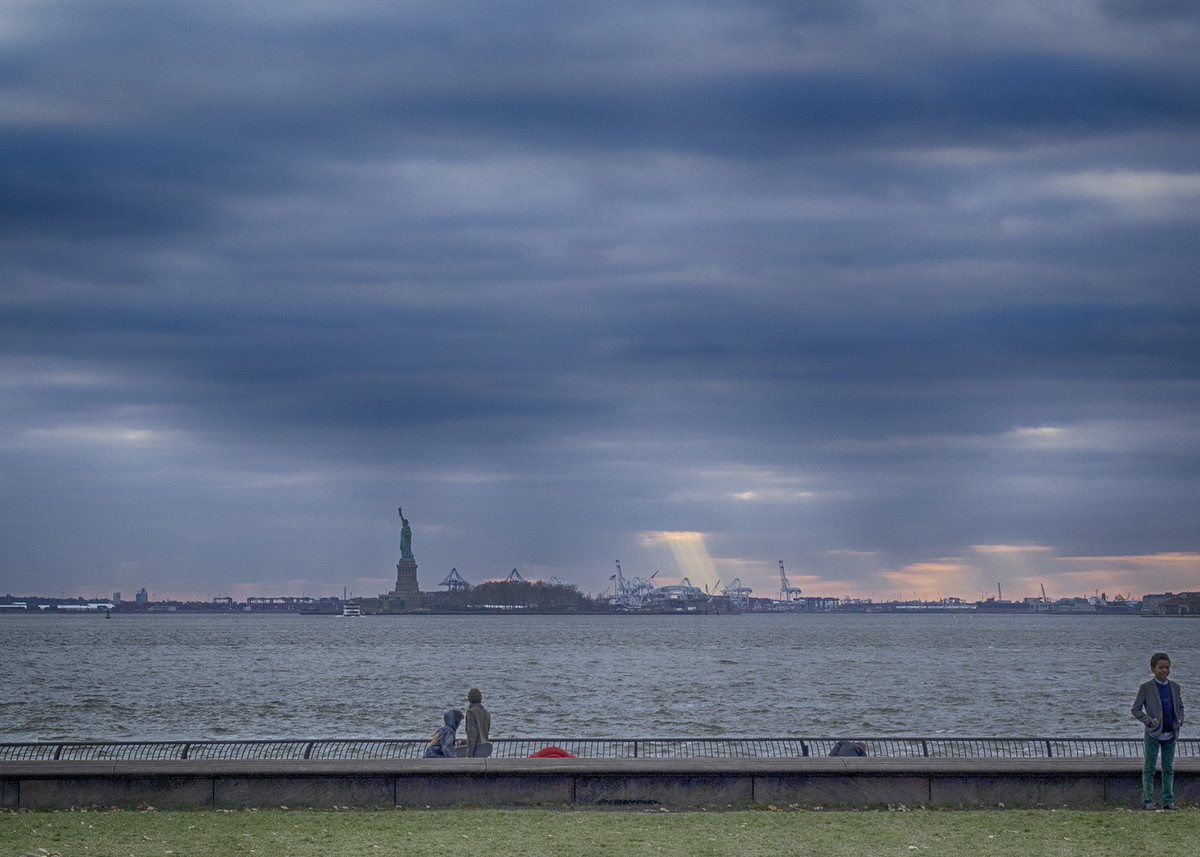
<point x="1159" y="707"/>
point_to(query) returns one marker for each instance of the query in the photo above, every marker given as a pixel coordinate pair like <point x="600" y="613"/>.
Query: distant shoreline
<point x="882" y="609"/>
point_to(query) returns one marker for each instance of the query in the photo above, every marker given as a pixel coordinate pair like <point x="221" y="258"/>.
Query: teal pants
<point x="1154" y="748"/>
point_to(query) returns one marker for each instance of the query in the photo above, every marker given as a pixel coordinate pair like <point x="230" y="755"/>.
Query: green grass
<point x="590" y="833"/>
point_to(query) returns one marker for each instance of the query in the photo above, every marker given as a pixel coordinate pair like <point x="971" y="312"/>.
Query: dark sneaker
<point x="1170" y="805"/>
<point x="1149" y="806"/>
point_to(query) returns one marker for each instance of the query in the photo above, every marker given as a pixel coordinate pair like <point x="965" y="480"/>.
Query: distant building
<point x="1184" y="604"/>
<point x="116" y="598"/>
<point x="1151" y="603"/>
<point x="142" y="597"/>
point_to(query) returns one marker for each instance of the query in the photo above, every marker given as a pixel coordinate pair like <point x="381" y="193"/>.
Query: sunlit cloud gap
<point x="690" y="554"/>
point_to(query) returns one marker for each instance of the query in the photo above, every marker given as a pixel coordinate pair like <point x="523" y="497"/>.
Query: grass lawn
<point x="590" y="833"/>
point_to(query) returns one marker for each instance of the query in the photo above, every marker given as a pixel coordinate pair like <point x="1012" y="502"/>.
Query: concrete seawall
<point x="829" y="782"/>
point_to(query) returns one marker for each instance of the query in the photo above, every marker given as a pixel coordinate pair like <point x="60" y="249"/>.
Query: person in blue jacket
<point x="443" y="742"/>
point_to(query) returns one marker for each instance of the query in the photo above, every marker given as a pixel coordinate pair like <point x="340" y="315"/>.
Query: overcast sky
<point x="903" y="294"/>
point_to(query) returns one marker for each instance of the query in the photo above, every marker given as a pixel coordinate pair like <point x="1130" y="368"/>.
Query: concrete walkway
<point x="819" y="781"/>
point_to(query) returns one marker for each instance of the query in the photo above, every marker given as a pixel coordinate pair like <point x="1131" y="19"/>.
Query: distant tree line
<point x="521" y="595"/>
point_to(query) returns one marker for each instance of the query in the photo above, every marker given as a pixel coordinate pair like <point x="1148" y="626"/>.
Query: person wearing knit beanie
<point x="479" y="724"/>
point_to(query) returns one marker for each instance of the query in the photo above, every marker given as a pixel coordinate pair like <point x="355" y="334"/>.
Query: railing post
<point x="925" y="748"/>
<point x="308" y="750"/>
<point x="1049" y="751"/>
<point x="186" y="747"/>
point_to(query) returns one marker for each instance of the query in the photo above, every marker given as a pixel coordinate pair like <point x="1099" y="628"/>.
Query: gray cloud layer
<point x="885" y="282"/>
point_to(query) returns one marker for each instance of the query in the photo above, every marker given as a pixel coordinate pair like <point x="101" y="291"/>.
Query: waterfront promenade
<point x="806" y="781"/>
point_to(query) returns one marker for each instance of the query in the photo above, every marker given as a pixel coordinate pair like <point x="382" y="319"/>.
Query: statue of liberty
<point x="405" y="537"/>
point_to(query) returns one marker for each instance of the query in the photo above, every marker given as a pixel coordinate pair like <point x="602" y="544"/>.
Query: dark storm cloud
<point x="820" y="279"/>
<point x="1140" y="11"/>
<point x="242" y="88"/>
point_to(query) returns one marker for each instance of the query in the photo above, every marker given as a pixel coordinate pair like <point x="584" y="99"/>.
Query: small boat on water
<point x="351" y="610"/>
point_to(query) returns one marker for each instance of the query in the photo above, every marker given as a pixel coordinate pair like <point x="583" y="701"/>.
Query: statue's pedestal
<point x="407" y="594"/>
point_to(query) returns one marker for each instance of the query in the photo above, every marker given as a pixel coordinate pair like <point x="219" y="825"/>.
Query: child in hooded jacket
<point x="443" y="743"/>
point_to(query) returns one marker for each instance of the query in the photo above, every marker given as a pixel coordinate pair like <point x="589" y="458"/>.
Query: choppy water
<point x="245" y="676"/>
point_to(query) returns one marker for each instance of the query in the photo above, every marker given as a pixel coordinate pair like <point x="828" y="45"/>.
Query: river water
<point x="169" y="677"/>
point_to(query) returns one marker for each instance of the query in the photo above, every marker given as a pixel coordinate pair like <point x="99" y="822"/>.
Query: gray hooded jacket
<point x="443" y="740"/>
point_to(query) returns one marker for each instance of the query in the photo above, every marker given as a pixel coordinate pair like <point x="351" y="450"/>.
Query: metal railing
<point x="589" y="748"/>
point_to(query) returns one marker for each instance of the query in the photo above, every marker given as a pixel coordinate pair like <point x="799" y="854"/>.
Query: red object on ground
<point x="552" y="753"/>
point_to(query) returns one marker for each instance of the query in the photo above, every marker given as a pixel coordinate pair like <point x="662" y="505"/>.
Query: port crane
<point x="787" y="592"/>
<point x="631" y="593"/>
<point x="682" y="596"/>
<point x="454" y="582"/>
<point x="738" y="595"/>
